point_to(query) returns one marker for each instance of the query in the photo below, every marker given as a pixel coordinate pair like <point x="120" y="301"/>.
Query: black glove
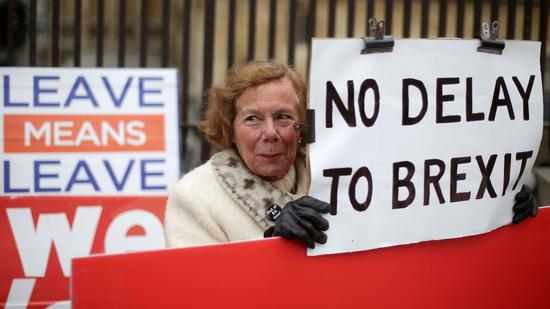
<point x="525" y="205"/>
<point x="301" y="219"/>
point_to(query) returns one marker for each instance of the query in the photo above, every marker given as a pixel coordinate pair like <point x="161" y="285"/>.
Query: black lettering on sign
<point x="406" y="119"/>
<point x="335" y="174"/>
<point x="500" y="85"/>
<point x="406" y="182"/>
<point x="525" y="94"/>
<point x="361" y="172"/>
<point x="456" y="177"/>
<point x="470" y="114"/>
<point x="433" y="180"/>
<point x="347" y="113"/>
<point x="441" y="98"/>
<point x="523" y="156"/>
<point x="486" y="170"/>
<point x="507" y="163"/>
<point x="366" y="85"/>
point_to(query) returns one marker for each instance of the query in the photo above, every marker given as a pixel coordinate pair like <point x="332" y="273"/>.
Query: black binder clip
<point x="377" y="42"/>
<point x="308" y="126"/>
<point x="489" y="42"/>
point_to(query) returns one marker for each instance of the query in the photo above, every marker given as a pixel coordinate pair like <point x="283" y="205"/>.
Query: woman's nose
<point x="270" y="133"/>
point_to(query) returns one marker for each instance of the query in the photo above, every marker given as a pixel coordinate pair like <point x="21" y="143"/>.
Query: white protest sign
<point x="88" y="131"/>
<point x="430" y="141"/>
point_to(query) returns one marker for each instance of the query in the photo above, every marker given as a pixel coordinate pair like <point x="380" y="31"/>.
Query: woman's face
<point x="264" y="131"/>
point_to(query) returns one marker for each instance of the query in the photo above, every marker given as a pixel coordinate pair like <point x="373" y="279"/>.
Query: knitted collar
<point x="252" y="192"/>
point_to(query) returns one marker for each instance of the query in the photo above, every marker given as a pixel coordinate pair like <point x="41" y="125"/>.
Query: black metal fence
<point x="188" y="34"/>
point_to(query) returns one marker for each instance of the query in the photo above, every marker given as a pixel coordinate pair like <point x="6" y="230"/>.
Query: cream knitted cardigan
<point x="222" y="201"/>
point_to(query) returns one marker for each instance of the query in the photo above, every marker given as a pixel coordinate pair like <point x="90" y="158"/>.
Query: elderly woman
<point x="256" y="185"/>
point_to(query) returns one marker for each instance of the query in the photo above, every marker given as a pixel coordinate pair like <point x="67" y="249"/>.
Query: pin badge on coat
<point x="273" y="212"/>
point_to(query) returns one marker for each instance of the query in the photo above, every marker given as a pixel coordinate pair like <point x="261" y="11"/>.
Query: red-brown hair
<point x="217" y="125"/>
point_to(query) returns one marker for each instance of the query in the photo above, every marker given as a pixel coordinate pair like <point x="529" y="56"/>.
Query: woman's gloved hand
<point x="301" y="219"/>
<point x="525" y="205"/>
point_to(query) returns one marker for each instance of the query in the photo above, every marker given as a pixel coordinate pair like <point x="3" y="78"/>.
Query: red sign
<point x="45" y="233"/>
<point x="506" y="268"/>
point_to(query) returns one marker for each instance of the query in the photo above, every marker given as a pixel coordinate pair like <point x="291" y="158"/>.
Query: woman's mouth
<point x="269" y="156"/>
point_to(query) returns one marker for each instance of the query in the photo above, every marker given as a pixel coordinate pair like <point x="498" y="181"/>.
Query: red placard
<point x="506" y="268"/>
<point x="52" y="230"/>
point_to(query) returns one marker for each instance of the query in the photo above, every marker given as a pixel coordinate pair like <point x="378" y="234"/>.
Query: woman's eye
<point x="252" y="119"/>
<point x="285" y="119"/>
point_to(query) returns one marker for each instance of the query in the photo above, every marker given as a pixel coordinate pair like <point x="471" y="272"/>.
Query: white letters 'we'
<point x="34" y="245"/>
